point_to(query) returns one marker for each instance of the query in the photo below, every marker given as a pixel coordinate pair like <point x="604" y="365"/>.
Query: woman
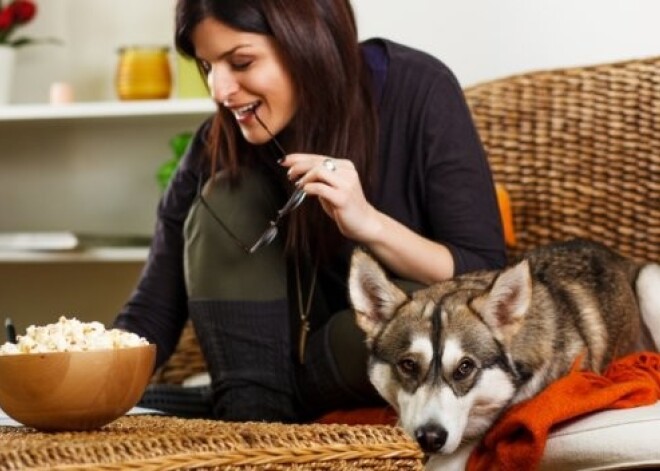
<point x="375" y="144"/>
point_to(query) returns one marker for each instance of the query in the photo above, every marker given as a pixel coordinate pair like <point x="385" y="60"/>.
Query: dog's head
<point x="440" y="356"/>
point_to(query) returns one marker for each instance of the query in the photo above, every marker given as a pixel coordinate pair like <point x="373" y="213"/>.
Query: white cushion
<point x="616" y="439"/>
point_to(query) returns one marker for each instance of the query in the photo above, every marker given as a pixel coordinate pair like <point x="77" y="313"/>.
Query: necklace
<point x="304" y="312"/>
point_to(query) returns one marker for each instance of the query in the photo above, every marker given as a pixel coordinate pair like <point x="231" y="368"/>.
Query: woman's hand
<point x="337" y="185"/>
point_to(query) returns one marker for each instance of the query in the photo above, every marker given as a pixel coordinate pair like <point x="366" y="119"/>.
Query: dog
<point x="452" y="357"/>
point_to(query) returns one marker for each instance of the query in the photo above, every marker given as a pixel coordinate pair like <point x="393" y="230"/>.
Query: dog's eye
<point x="408" y="366"/>
<point x="464" y="369"/>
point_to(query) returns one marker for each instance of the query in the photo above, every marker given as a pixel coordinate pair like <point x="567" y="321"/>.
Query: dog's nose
<point x="431" y="438"/>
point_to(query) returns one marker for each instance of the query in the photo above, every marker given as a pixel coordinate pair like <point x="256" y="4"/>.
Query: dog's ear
<point x="504" y="307"/>
<point x="374" y="297"/>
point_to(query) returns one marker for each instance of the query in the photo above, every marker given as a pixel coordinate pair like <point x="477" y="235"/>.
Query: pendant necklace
<point x="304" y="312"/>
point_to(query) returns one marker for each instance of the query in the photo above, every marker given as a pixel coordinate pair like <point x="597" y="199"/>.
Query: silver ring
<point x="329" y="164"/>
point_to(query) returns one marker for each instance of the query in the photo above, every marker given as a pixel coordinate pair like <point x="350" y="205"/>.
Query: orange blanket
<point x="364" y="416"/>
<point x="517" y="440"/>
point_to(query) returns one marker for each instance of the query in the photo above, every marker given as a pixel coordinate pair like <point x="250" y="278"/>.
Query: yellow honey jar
<point x="143" y="73"/>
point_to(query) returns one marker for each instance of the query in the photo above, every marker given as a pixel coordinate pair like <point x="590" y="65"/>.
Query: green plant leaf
<point x="179" y="143"/>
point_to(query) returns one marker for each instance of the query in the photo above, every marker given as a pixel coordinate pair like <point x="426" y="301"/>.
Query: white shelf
<point x="109" y="109"/>
<point x="26" y="115"/>
<point x="97" y="254"/>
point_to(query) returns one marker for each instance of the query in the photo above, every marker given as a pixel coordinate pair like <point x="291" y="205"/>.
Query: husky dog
<point x="452" y="357"/>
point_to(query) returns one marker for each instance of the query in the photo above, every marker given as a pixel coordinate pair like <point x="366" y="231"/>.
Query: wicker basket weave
<point x="165" y="443"/>
<point x="578" y="149"/>
<point x="186" y="360"/>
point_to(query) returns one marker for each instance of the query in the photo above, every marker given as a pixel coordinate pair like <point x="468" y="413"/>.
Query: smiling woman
<point x="245" y="73"/>
<point x="316" y="147"/>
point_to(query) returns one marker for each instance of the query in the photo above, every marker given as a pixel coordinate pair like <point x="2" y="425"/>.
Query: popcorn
<point x="71" y="335"/>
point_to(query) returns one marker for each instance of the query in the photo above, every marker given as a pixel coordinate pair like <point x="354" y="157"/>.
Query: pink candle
<point x="61" y="93"/>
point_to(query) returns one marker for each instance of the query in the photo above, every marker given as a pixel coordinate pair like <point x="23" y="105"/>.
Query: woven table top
<point x="159" y="442"/>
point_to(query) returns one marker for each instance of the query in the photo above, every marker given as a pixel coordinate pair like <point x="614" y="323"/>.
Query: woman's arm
<point x="403" y="251"/>
<point x="451" y="187"/>
<point x="158" y="307"/>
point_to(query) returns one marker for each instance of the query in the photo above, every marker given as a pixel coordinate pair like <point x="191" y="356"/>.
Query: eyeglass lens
<point x="271" y="232"/>
<point x="296" y="200"/>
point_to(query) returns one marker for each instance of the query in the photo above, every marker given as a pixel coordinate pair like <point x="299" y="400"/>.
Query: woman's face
<point x="246" y="75"/>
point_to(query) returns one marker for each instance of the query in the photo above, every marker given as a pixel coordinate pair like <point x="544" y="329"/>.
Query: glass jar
<point x="143" y="73"/>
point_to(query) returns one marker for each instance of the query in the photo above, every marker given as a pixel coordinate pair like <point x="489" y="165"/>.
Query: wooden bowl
<point x="74" y="390"/>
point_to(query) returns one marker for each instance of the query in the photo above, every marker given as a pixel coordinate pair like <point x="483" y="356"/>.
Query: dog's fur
<point x="452" y="357"/>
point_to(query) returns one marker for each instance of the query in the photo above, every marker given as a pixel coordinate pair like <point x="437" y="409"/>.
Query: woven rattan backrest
<point x="186" y="360"/>
<point x="578" y="149"/>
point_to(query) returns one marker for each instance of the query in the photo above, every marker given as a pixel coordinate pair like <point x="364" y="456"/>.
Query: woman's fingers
<point x="305" y="168"/>
<point x="333" y="180"/>
<point x="337" y="185"/>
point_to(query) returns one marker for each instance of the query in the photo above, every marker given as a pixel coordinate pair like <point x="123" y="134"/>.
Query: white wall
<point x="485" y="39"/>
<point x="478" y="39"/>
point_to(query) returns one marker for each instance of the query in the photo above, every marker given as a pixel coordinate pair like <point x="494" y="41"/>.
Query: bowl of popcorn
<point x="73" y="375"/>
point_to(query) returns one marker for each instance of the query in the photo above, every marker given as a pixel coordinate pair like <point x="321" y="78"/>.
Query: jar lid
<point x="143" y="47"/>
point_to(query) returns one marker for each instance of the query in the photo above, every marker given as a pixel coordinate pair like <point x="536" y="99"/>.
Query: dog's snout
<point x="431" y="438"/>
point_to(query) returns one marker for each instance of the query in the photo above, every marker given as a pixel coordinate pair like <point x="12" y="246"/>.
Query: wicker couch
<point x="579" y="152"/>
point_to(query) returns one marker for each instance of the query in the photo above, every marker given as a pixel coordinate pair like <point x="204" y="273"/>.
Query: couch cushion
<point x="615" y="439"/>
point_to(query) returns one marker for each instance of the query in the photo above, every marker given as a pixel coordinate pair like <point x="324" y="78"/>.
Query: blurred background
<point x="478" y="39"/>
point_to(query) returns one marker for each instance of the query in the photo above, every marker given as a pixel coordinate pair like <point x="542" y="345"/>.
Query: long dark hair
<point x="336" y="115"/>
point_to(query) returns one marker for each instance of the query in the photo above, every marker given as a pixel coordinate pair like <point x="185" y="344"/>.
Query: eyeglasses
<point x="270" y="233"/>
